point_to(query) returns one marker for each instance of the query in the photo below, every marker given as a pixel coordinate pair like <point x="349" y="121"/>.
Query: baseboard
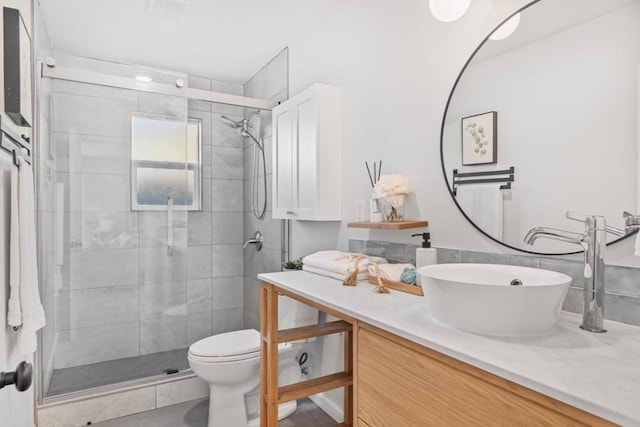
<point x="332" y="409"/>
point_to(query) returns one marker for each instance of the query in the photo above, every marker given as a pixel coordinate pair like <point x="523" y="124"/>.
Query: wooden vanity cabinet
<point x="393" y="382"/>
<point x="399" y="383"/>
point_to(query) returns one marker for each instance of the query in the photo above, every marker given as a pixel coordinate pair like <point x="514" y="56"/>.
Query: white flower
<point x="391" y="185"/>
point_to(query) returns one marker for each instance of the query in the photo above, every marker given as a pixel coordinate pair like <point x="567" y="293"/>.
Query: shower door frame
<point x="81" y="76"/>
<point x="91" y="77"/>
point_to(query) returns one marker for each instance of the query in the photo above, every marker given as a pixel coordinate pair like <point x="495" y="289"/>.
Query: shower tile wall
<point x="271" y="82"/>
<point x="118" y="294"/>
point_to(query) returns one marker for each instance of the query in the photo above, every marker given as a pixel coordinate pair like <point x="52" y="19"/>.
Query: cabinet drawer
<point x="401" y="386"/>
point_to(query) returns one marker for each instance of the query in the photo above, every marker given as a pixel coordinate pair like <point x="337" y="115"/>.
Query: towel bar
<point x="459" y="178"/>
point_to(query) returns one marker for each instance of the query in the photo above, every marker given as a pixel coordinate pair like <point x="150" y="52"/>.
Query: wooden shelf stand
<point x="313" y="331"/>
<point x="270" y="394"/>
<point x="314" y="386"/>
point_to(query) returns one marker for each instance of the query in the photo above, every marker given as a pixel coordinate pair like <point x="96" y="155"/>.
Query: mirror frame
<point x="444" y="171"/>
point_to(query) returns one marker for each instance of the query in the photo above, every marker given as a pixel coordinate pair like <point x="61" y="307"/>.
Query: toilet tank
<point x="293" y="314"/>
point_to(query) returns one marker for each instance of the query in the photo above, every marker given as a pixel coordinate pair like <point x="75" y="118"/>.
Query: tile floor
<point x="85" y="377"/>
<point x="194" y="414"/>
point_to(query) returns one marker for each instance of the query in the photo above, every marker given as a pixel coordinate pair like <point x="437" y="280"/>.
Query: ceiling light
<point x="144" y="79"/>
<point x="175" y="10"/>
<point x="448" y="10"/>
<point x="506" y="29"/>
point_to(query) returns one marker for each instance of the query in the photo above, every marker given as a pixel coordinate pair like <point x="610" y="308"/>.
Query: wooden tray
<point x="398" y="286"/>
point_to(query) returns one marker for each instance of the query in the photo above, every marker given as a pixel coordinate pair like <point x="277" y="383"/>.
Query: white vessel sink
<point x="480" y="298"/>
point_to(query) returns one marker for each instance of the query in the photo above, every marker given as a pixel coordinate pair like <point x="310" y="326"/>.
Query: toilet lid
<point x="228" y="344"/>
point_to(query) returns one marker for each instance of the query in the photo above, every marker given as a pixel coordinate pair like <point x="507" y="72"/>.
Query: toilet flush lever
<point x="256" y="240"/>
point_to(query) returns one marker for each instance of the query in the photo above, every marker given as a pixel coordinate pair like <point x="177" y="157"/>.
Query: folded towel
<point x="25" y="308"/>
<point x="339" y="262"/>
<point x="390" y="271"/>
<point x="636" y="250"/>
<point x="362" y="275"/>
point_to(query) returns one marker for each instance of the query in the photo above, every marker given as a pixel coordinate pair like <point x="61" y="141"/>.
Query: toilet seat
<point x="230" y="346"/>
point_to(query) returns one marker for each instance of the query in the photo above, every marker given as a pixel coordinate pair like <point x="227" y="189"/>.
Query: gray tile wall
<point x="118" y="294"/>
<point x="271" y="82"/>
<point x="622" y="296"/>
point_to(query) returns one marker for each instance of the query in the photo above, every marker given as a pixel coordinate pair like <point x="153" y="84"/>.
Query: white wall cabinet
<point x="307" y="155"/>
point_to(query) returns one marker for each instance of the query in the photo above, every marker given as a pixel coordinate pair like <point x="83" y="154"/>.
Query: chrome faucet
<point x="257" y="240"/>
<point x="594" y="242"/>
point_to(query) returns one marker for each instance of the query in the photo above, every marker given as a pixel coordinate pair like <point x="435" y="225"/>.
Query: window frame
<point x="153" y="164"/>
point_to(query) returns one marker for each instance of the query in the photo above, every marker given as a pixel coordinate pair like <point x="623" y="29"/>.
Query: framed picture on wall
<point x="480" y="139"/>
<point x="17" y="67"/>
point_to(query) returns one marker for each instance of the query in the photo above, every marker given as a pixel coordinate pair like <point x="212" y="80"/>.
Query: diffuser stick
<point x="369" y="172"/>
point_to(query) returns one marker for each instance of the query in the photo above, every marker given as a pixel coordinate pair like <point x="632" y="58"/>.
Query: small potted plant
<point x="296" y="264"/>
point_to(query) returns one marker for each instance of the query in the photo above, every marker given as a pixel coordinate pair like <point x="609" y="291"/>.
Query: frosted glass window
<point x="165" y="163"/>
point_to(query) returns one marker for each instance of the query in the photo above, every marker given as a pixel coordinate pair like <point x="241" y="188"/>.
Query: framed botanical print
<point x="480" y="139"/>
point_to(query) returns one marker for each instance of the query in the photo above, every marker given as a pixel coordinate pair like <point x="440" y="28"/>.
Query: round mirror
<point x="545" y="121"/>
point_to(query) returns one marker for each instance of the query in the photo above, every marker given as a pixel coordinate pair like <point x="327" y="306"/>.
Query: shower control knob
<point x="21" y="377"/>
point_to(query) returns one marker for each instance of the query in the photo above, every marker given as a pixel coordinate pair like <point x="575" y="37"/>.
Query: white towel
<point x="14" y="316"/>
<point x="362" y="274"/>
<point x="483" y="205"/>
<point x="25" y="309"/>
<point x="338" y="262"/>
<point x="636" y="250"/>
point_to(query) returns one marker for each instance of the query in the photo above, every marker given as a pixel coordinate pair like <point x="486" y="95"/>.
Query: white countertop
<point x="599" y="373"/>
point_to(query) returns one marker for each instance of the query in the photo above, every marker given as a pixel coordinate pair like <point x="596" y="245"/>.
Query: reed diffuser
<point x="375" y="215"/>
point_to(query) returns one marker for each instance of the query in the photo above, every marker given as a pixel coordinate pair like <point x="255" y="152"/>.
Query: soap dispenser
<point x="426" y="255"/>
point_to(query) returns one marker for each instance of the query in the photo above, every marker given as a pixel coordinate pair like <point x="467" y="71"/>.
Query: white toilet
<point x="230" y="364"/>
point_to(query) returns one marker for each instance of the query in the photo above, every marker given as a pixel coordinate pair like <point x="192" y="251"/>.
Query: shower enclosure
<point x="141" y="217"/>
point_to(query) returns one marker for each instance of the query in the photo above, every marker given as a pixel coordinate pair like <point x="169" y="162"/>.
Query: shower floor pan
<point x="85" y="377"/>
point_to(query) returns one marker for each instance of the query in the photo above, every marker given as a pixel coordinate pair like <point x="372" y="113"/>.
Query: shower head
<point x="243" y="124"/>
<point x="235" y="125"/>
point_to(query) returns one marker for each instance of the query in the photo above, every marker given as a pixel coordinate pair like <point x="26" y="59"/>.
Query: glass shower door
<point x="124" y="176"/>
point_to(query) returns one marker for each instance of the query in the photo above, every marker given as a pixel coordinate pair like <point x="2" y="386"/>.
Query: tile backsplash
<point x="622" y="284"/>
